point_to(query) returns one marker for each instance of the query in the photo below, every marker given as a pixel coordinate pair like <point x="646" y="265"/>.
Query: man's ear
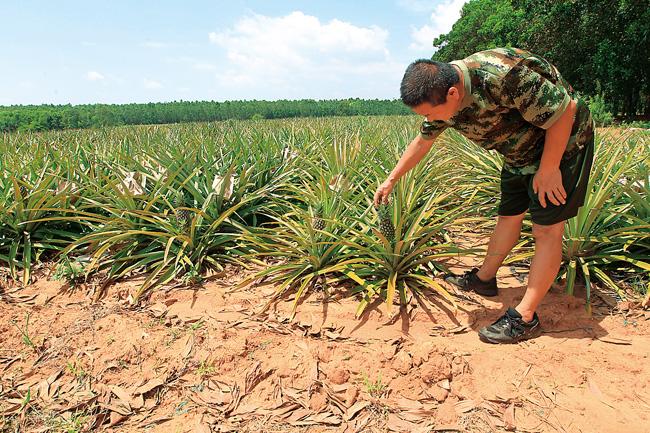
<point x="453" y="92"/>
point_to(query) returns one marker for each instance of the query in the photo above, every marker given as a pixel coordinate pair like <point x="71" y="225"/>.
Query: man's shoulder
<point x="498" y="69"/>
<point x="497" y="61"/>
<point x="488" y="69"/>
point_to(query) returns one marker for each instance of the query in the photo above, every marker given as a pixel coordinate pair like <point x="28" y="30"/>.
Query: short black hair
<point x="427" y="81"/>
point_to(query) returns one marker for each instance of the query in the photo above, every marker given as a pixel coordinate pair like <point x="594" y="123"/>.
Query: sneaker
<point x="470" y="282"/>
<point x="510" y="328"/>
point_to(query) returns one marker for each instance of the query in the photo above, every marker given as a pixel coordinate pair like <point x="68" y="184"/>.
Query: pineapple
<point x="182" y="215"/>
<point x="386" y="227"/>
<point x="318" y="223"/>
<point x="22" y="188"/>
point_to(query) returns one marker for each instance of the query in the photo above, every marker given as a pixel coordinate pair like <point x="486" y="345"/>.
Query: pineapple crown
<point x="384" y="210"/>
<point x="180" y="199"/>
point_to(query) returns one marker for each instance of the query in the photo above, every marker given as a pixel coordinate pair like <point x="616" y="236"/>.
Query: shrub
<point x="598" y="107"/>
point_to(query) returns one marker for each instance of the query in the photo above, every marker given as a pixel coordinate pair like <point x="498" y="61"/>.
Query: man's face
<point x="441" y="111"/>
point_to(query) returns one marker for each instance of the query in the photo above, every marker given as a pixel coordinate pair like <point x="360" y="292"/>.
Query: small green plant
<point x="180" y="410"/>
<point x="374" y="388"/>
<point x="70" y="270"/>
<point x="192" y="277"/>
<point x="26" y="399"/>
<point x="196" y="325"/>
<point x="25" y="333"/>
<point x="639" y="283"/>
<point x="77" y="423"/>
<point x="173" y="336"/>
<point x="205" y="369"/>
<point x="76" y="370"/>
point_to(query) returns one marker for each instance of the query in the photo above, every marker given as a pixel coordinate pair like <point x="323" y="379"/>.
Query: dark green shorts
<point x="517" y="193"/>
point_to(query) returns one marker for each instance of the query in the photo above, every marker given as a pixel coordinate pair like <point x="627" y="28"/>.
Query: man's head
<point x="431" y="89"/>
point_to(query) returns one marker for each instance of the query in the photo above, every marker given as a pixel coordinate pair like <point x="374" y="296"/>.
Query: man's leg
<point x="503" y="239"/>
<point x="521" y="323"/>
<point x="544" y="267"/>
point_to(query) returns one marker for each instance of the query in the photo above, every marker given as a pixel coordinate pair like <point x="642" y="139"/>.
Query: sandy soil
<point x="202" y="359"/>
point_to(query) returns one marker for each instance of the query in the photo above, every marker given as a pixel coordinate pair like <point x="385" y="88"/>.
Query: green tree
<point x="600" y="46"/>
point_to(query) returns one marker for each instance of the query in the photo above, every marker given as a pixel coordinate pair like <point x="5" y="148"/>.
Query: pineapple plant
<point x="318" y="223"/>
<point x="182" y="215"/>
<point x="386" y="227"/>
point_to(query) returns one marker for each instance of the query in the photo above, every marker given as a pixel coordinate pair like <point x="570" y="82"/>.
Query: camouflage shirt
<point x="511" y="98"/>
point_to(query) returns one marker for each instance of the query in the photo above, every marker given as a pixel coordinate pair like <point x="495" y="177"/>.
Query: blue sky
<point x="118" y="51"/>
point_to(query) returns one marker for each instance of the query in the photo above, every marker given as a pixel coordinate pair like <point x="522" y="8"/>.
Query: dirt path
<point x="203" y="360"/>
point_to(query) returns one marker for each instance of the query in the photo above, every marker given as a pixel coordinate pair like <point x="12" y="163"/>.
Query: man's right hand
<point x="384" y="190"/>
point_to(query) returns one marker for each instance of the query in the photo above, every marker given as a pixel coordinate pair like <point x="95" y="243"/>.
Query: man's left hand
<point x="548" y="183"/>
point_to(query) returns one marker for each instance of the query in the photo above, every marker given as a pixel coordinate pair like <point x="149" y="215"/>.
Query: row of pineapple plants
<point x="178" y="201"/>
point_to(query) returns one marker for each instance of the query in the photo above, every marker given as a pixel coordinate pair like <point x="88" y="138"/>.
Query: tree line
<point x="602" y="47"/>
<point x="47" y="117"/>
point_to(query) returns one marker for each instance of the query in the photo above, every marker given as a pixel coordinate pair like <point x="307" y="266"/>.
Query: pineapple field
<point x="236" y="276"/>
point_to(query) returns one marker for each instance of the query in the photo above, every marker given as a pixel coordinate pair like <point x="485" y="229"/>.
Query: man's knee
<point x="512" y="218"/>
<point x="544" y="232"/>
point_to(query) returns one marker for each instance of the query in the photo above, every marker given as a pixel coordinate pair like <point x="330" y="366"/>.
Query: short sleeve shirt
<point x="511" y="98"/>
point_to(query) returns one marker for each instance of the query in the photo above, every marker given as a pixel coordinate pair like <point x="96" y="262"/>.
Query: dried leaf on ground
<point x="156" y="421"/>
<point x="189" y="345"/>
<point x="120" y="393"/>
<point x="464" y="406"/>
<point x="236" y="398"/>
<point x="149" y="386"/>
<point x="355" y="409"/>
<point x="615" y="340"/>
<point x="591" y="384"/>
<point x="116" y="418"/>
<point x="254" y="376"/>
<point x="509" y="417"/>
<point x="397" y="424"/>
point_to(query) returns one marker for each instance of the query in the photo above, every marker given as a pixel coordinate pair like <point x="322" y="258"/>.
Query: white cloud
<point x="442" y="20"/>
<point x="300" y="53"/>
<point x="151" y="84"/>
<point x="94" y="76"/>
<point x="297" y="33"/>
<point x="422" y="38"/>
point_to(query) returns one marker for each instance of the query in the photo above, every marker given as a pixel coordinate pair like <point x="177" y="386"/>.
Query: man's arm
<point x="413" y="154"/>
<point x="557" y="137"/>
<point x="548" y="179"/>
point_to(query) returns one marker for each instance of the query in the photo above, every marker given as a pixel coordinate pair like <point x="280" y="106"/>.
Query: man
<point x="515" y="102"/>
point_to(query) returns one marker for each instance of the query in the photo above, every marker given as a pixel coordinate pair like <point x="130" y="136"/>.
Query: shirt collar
<point x="467" y="98"/>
